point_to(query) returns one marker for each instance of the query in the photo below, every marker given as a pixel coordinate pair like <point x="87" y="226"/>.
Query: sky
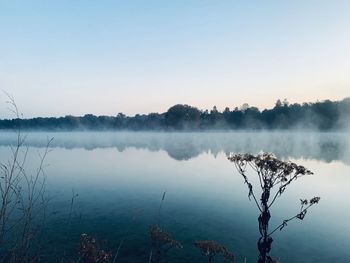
<point x="73" y="57"/>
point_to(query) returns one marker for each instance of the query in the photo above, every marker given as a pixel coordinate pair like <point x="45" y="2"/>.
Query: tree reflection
<point x="326" y="147"/>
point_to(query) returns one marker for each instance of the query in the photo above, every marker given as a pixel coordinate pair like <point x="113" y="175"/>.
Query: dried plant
<point x="274" y="177"/>
<point x="91" y="252"/>
<point x="161" y="242"/>
<point x="23" y="200"/>
<point x="210" y="249"/>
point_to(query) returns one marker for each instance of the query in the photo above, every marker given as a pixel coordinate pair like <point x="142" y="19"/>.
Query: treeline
<point x="326" y="115"/>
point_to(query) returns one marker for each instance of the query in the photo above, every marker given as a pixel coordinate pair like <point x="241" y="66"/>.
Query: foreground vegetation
<point x="273" y="174"/>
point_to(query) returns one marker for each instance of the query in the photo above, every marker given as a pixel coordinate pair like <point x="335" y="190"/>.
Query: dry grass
<point x="211" y="248"/>
<point x="23" y="200"/>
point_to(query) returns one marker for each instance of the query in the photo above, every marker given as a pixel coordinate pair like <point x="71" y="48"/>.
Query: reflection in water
<point x="206" y="199"/>
<point x="184" y="146"/>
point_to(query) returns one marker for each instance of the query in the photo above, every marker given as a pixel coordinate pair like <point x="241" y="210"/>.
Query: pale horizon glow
<point x="78" y="57"/>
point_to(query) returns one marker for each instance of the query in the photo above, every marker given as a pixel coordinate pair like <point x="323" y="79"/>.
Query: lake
<point x="120" y="178"/>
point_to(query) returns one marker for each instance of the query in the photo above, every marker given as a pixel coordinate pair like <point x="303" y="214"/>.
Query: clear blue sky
<point x="104" y="57"/>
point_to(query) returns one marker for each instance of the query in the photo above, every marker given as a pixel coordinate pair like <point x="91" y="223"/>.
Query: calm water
<point x="120" y="178"/>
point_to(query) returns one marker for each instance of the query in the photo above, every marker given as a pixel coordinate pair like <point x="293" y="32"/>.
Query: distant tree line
<point x="325" y="116"/>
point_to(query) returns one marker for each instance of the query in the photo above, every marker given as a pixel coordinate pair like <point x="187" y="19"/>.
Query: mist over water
<point x="324" y="146"/>
<point x="120" y="174"/>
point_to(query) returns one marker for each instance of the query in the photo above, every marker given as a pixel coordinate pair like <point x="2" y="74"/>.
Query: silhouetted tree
<point x="182" y="117"/>
<point x="324" y="116"/>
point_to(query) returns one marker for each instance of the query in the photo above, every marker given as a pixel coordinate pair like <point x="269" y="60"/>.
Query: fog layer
<point x="186" y="145"/>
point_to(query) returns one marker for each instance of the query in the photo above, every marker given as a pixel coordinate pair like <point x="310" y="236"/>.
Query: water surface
<point x="120" y="178"/>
